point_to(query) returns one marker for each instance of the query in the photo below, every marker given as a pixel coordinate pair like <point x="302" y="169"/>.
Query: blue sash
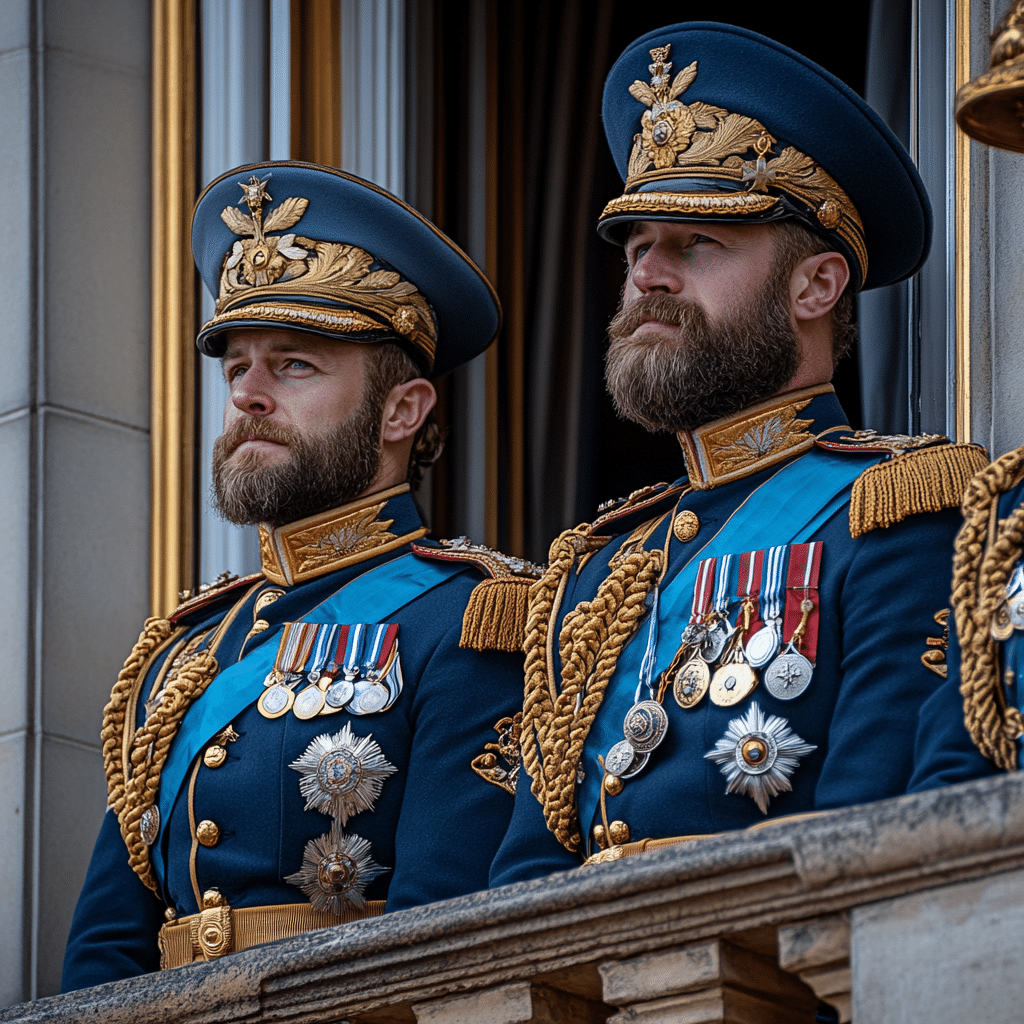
<point x="372" y="597"/>
<point x="788" y="508"/>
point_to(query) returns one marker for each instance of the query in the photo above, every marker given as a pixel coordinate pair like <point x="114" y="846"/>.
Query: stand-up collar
<point x="342" y="536"/>
<point x="760" y="435"/>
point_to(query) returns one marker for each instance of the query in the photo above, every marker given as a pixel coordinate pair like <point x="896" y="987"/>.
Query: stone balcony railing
<point x="906" y="910"/>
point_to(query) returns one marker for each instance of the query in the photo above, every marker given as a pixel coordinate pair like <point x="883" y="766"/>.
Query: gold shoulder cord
<point x="133" y="785"/>
<point x="984" y="555"/>
<point x="593" y="635"/>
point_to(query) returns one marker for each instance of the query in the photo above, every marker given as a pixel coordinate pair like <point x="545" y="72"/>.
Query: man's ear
<point x="405" y="409"/>
<point x="817" y="283"/>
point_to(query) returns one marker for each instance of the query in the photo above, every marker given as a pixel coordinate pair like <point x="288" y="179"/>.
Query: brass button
<point x="613" y="786"/>
<point x="215" y="756"/>
<point x="208" y="833"/>
<point x="619" y="832"/>
<point x="599" y="837"/>
<point x="686" y="525"/>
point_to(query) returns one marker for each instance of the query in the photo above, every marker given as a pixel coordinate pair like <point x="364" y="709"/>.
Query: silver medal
<point x="761" y="647"/>
<point x="1016" y="605"/>
<point x="308" y="703"/>
<point x="342" y="774"/>
<point x="713" y="644"/>
<point x="373" y="699"/>
<point x="339" y="694"/>
<point x="619" y="758"/>
<point x="276" y="700"/>
<point x="638" y="765"/>
<point x="758" y="755"/>
<point x="645" y="725"/>
<point x="149" y="824"/>
<point x="788" y="675"/>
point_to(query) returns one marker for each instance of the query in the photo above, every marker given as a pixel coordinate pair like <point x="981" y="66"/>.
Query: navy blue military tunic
<point x="434" y="827"/>
<point x="946" y="752"/>
<point x="878" y="598"/>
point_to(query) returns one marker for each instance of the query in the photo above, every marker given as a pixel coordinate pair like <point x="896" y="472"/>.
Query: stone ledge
<point x="784" y="872"/>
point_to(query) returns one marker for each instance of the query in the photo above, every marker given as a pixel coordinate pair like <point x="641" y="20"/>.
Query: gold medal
<point x="732" y="683"/>
<point x="691" y="683"/>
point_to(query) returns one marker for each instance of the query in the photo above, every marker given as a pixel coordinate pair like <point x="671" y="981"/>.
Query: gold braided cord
<point x="982" y="564"/>
<point x="591" y="640"/>
<point x="150" y="749"/>
<point x="155" y="631"/>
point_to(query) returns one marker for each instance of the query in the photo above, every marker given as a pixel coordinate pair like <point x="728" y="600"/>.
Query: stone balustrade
<point x="905" y="910"/>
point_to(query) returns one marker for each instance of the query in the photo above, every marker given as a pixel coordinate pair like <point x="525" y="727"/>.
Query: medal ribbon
<point x="325" y="640"/>
<point x="722" y="588"/>
<point x="702" y="591"/>
<point x="354" y="650"/>
<point x="375" y="650"/>
<point x="801" y="585"/>
<point x="293" y="650"/>
<point x="749" y="586"/>
<point x="338" y="655"/>
<point x="771" y="585"/>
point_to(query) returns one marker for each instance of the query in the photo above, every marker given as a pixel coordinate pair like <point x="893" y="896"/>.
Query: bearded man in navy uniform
<point x="757" y="638"/>
<point x="313" y="745"/>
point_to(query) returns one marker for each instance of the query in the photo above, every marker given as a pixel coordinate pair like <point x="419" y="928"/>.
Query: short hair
<point x="388" y="365"/>
<point x="793" y="243"/>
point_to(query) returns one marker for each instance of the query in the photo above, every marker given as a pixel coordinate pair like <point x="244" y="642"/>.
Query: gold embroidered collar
<point x="750" y="440"/>
<point x="322" y="543"/>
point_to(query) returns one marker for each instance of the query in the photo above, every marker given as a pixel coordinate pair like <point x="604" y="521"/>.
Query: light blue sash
<point x="372" y="597"/>
<point x="788" y="508"/>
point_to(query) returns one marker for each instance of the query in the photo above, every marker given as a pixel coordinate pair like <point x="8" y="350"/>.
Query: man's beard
<point x="706" y="369"/>
<point x="322" y="471"/>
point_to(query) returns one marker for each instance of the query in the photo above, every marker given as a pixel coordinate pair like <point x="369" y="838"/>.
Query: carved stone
<point x="912" y="947"/>
<point x="819" y="952"/>
<point x="705" y="983"/>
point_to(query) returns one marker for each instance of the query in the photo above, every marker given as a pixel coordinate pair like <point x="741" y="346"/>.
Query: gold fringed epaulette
<point x="496" y="613"/>
<point x="911" y="481"/>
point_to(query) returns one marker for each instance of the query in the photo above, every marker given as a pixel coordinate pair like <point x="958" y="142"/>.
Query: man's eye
<point x="298" y="364"/>
<point x="232" y="373"/>
<point x="638" y="254"/>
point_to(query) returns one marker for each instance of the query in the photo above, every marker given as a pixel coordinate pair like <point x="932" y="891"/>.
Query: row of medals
<point x="326" y="695"/>
<point x="787" y="676"/>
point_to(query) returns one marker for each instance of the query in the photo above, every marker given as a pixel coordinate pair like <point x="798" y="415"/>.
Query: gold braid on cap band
<point x="983" y="558"/>
<point x="593" y="635"/>
<point x="264" y="266"/>
<point x="701" y="141"/>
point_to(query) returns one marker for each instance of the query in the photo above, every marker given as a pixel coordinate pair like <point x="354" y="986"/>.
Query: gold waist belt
<point x="632" y="849"/>
<point x="218" y="930"/>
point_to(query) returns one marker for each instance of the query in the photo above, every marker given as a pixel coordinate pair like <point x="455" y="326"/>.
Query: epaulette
<point x="496" y="613"/>
<point x="618" y="516"/>
<point x="226" y="585"/>
<point x="926" y="473"/>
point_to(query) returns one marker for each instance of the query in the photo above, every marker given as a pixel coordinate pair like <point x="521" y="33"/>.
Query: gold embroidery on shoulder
<point x="935" y="658"/>
<point x="500" y="765"/>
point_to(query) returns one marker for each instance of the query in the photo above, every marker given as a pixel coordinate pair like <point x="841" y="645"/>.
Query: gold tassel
<point x="927" y="480"/>
<point x="495" y="618"/>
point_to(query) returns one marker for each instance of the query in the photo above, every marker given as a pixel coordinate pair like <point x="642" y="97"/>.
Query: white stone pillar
<point x="74" y="442"/>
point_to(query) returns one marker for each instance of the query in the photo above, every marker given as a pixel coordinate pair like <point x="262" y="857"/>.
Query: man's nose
<point x="657" y="271"/>
<point x="252" y="392"/>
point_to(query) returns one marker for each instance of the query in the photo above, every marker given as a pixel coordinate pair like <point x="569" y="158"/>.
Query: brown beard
<point x="322" y="471"/>
<point x="680" y="379"/>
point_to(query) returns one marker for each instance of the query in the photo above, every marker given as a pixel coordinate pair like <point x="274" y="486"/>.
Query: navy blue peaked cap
<point x="311" y="248"/>
<point x="709" y="121"/>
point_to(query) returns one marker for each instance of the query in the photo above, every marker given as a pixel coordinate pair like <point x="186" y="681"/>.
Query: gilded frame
<point x="172" y="396"/>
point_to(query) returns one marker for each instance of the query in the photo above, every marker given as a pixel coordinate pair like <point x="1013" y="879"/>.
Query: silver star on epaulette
<point x="758" y="755"/>
<point x="336" y="869"/>
<point x="342" y="774"/>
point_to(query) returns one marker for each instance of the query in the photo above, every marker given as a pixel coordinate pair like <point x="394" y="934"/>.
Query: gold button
<point x="613" y="786"/>
<point x="208" y="833"/>
<point x="215" y="756"/>
<point x="599" y="836"/>
<point x="213" y="898"/>
<point x="619" y="832"/>
<point x="686" y="525"/>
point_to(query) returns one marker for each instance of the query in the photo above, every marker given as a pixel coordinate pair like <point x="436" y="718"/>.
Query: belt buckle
<point x="210" y="931"/>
